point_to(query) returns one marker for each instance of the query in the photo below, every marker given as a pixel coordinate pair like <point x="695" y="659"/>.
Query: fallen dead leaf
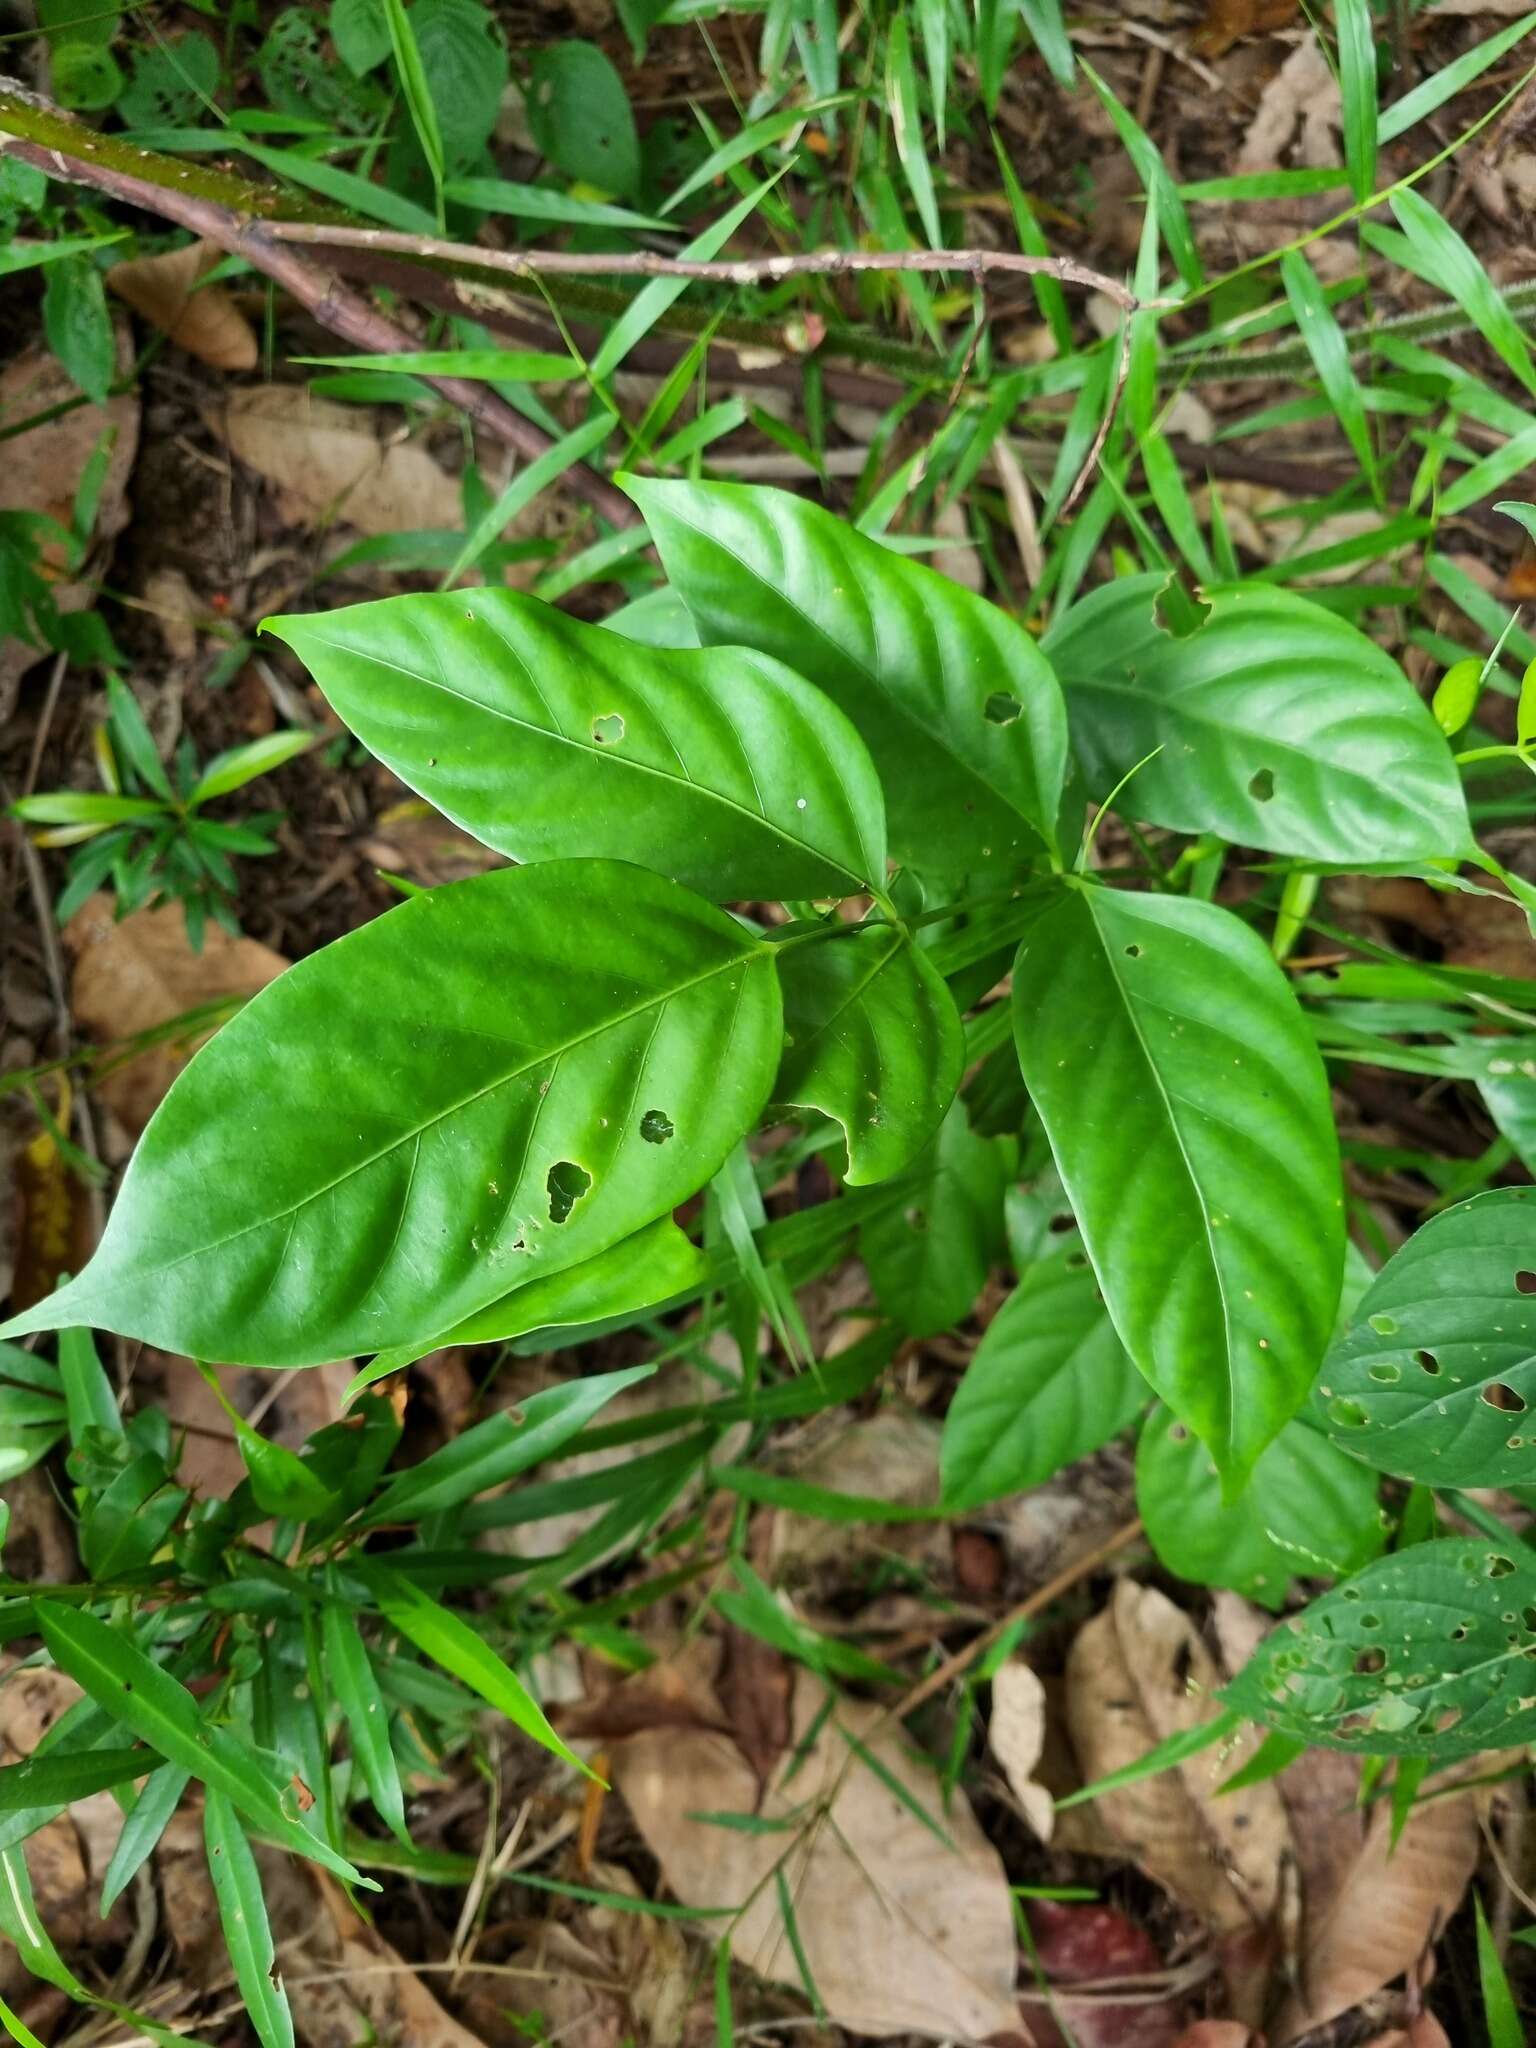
<point x="1217" y="2034"/>
<point x="330" y="465"/>
<point x="412" y="839"/>
<point x="1095" y="1945"/>
<point x="902" y="1932"/>
<point x="1136" y="1674"/>
<point x="131" y="976"/>
<point x="68" y="1857"/>
<point x="1388" y="1908"/>
<point x="206" y="323"/>
<point x="1424" y="2031"/>
<point x="1228" y="21"/>
<point x="42" y="471"/>
<point x="1302" y="92"/>
<point x="1017" y="1735"/>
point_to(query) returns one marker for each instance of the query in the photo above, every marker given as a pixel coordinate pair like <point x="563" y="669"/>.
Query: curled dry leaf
<point x="1388" y="1907"/>
<point x="140" y="973"/>
<point x="902" y="1931"/>
<point x="1017" y="1735"/>
<point x="330" y="465"/>
<point x="1136" y="1674"/>
<point x="206" y="323"/>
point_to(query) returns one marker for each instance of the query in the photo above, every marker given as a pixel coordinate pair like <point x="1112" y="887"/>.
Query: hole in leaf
<point x="1370" y="1621"/>
<point x="1133" y="952"/>
<point x="656" y="1127"/>
<point x="917" y="1219"/>
<point x="1499" y="1567"/>
<point x="1077" y="1260"/>
<point x="1384" y="1326"/>
<point x="1179" y="611"/>
<point x="1347" y="1414"/>
<point x="1385" y="1374"/>
<point x="1001" y="708"/>
<point x="608" y="730"/>
<point x="1525" y="1281"/>
<point x="567" y="1183"/>
<point x="1060" y="1225"/>
<point x="1529" y="1618"/>
<point x="1428" y="1361"/>
<point x="1459" y="1632"/>
<point x="1262" y="787"/>
<point x="1370" y="1661"/>
<point x="1503" y="1397"/>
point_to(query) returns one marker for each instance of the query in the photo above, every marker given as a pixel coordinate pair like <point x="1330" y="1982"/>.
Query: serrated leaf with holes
<point x="1308" y="1511"/>
<point x="954" y="701"/>
<point x="1281" y="726"/>
<point x="544" y="736"/>
<point x="1049" y="1382"/>
<point x="450" y="1098"/>
<point x="1435" y="1378"/>
<point x="872" y="1040"/>
<point x="1188" y="1111"/>
<point x="1431" y="1652"/>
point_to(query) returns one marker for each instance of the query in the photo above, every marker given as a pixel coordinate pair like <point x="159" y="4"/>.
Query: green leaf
<point x="1189" y="1114"/>
<point x="953" y="700"/>
<point x="451" y="1642"/>
<point x="1357" y="91"/>
<point x="1308" y="1511"/>
<point x="79" y="327"/>
<point x="545" y="203"/>
<point x="88" y="1395"/>
<point x="280" y="1480"/>
<point x="86" y="79"/>
<point x="464" y="62"/>
<point x="243" y="1916"/>
<point x="57" y="1780"/>
<point x="1048" y="1383"/>
<point x="650" y="303"/>
<point x="145" y="1823"/>
<point x="140" y="1695"/>
<point x="134" y="739"/>
<point x="350" y="1673"/>
<point x="872" y="1040"/>
<point x="418" y="94"/>
<point x="928" y="1252"/>
<point x="1437" y="253"/>
<point x="1435" y="1378"/>
<point x="497" y="1449"/>
<point x="1329" y="351"/>
<point x="907" y="125"/>
<point x="360" y="31"/>
<point x="579" y="117"/>
<point x="1505" y="2028"/>
<point x="1427" y="1653"/>
<point x="544" y="736"/>
<point x="1046" y="27"/>
<point x="453" y="1098"/>
<point x="240" y="765"/>
<point x="1172" y="219"/>
<point x="1173" y="1750"/>
<point x="1280" y="724"/>
<point x="1447" y="80"/>
<point x="173" y="82"/>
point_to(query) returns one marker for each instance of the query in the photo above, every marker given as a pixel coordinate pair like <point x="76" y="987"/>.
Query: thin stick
<point x="333" y="304"/>
<point x="743" y="270"/>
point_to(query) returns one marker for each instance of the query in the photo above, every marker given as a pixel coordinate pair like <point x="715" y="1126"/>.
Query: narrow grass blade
<point x="1357" y="90"/>
<point x="1433" y="250"/>
<point x="356" y="1689"/>
<point x="1330" y="358"/>
<point x="1499" y="2009"/>
<point x="1446" y="83"/>
<point x="146" y="1822"/>
<point x="525" y="486"/>
<point x="907" y="126"/>
<point x="243" y="1915"/>
<point x="418" y="94"/>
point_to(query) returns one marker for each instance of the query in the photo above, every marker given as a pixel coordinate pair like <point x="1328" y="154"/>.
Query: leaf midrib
<point x="595" y="752"/>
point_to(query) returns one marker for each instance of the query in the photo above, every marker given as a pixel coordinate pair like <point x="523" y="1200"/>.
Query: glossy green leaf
<point x="1308" y="1511"/>
<point x="280" y="1480"/>
<point x="544" y="736"/>
<point x="351" y="1676"/>
<point x="144" y="1824"/>
<point x="452" y="1098"/>
<point x="1189" y="1114"/>
<point x="360" y="32"/>
<point x="578" y="112"/>
<point x="1356" y="34"/>
<point x="1435" y="1378"/>
<point x="87" y="1391"/>
<point x="240" y="765"/>
<point x="928" y="1252"/>
<point x="1426" y="1653"/>
<point x="496" y="1450"/>
<point x="463" y="1653"/>
<point x="57" y="1780"/>
<point x="1281" y="725"/>
<point x="954" y="701"/>
<point x="1048" y="1383"/>
<point x="79" y="327"/>
<point x="872" y="1040"/>
<point x="655" y="1264"/>
<point x="1329" y="350"/>
<point x="1437" y="253"/>
<point x="140" y="1695"/>
<point x="907" y="126"/>
<point x="243" y="1916"/>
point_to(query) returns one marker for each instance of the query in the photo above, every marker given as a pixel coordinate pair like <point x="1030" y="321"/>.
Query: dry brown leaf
<point x="1217" y="2034"/>
<point x="902" y="1932"/>
<point x="330" y="465"/>
<point x="1303" y="91"/>
<point x="134" y="975"/>
<point x="1423" y="2031"/>
<point x="1099" y="1947"/>
<point x="1387" y="1909"/>
<point x="207" y="323"/>
<point x="412" y="839"/>
<point x="1017" y="1735"/>
<point x="1227" y="21"/>
<point x="1136" y="1674"/>
<point x="64" y="1857"/>
<point x="891" y="1456"/>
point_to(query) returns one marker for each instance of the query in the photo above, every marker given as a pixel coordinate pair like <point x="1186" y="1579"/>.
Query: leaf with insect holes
<point x="464" y="60"/>
<point x="78" y="325"/>
<point x="1048" y="1383"/>
<point x="1308" y="1511"/>
<point x="1435" y="1378"/>
<point x="1280" y="725"/>
<point x="873" y="1040"/>
<point x="954" y="701"/>
<point x="452" y="1099"/>
<point x="544" y="736"/>
<point x="1188" y="1110"/>
<point x="1426" y="1653"/>
<point x="579" y="117"/>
